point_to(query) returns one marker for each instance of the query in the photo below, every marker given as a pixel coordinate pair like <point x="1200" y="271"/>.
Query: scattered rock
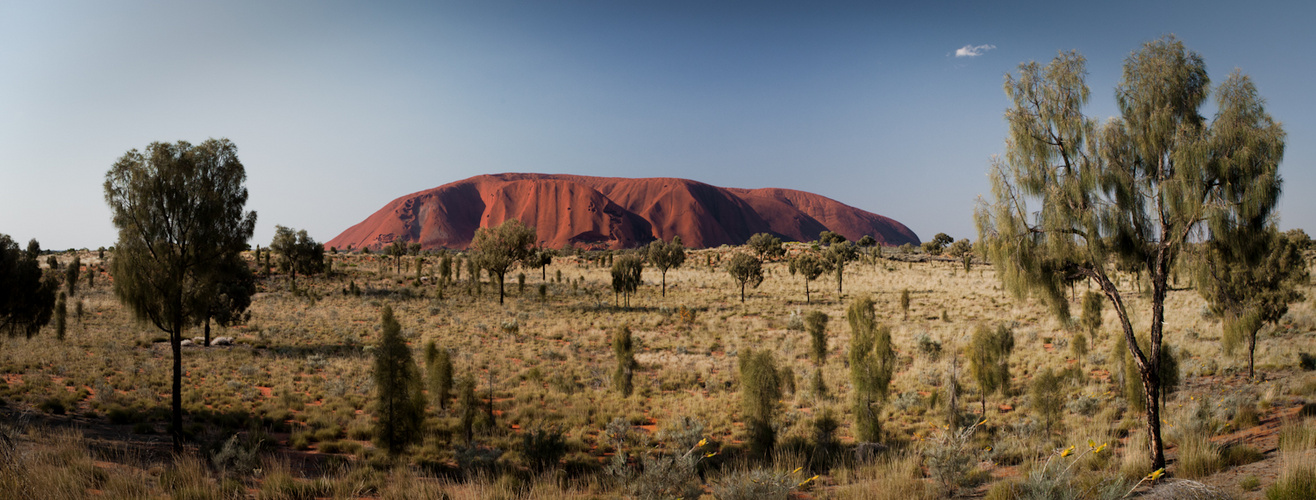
<point x="222" y="341"/>
<point x="185" y="343"/>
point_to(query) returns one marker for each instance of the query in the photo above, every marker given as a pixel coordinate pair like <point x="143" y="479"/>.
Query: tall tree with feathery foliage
<point x="872" y="365"/>
<point x="400" y="403"/>
<point x="180" y="213"/>
<point x="1127" y="193"/>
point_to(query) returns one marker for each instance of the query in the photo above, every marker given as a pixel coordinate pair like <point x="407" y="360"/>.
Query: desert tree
<point x="746" y="270"/>
<point x="623" y="347"/>
<point x="828" y="238"/>
<point x="468" y="406"/>
<point x="962" y="250"/>
<point x="61" y="314"/>
<point x="1250" y="282"/>
<point x="541" y="258"/>
<point x="666" y="256"/>
<point x="766" y="245"/>
<point x="904" y="302"/>
<point x="438" y="374"/>
<point x="399" y="403"/>
<point x="867" y="241"/>
<point x="27" y="295"/>
<point x="937" y="244"/>
<point x="71" y="275"/>
<point x="989" y="360"/>
<point x="1127" y="193"/>
<point x="815" y="322"/>
<point x="227" y="294"/>
<point x="396" y="250"/>
<point x="626" y="272"/>
<point x="473" y="276"/>
<point x="872" y="365"/>
<point x="497" y="248"/>
<point x="1046" y="397"/>
<point x="445" y="268"/>
<point x="1091" y="318"/>
<point x="809" y="266"/>
<point x="179" y="211"/>
<point x="837" y="255"/>
<point x="760" y="395"/>
<point x="298" y="253"/>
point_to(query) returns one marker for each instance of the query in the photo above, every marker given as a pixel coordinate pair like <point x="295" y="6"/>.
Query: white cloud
<point x="973" y="50"/>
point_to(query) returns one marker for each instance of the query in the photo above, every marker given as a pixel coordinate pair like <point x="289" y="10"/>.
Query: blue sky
<point x="338" y="108"/>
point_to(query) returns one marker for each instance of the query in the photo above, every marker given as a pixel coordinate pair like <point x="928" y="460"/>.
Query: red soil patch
<point x="613" y="213"/>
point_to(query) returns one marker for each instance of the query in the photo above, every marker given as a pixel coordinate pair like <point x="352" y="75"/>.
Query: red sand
<point x="611" y="212"/>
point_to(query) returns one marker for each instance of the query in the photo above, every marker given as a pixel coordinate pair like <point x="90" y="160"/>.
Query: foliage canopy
<point x="1126" y="194"/>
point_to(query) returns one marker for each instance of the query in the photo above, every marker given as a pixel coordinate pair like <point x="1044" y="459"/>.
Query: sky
<point x="340" y="107"/>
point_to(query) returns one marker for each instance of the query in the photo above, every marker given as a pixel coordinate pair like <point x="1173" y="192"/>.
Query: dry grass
<point x="300" y="373"/>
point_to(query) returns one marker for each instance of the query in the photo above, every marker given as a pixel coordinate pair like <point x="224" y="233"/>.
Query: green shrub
<point x="52" y="405"/>
<point x="760" y="393"/>
<point x="1306" y="361"/>
<point x="753" y="484"/>
<point x="543" y="448"/>
<point x="1047" y="399"/>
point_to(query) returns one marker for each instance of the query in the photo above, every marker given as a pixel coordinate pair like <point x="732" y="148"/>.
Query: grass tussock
<point x="1297" y="480"/>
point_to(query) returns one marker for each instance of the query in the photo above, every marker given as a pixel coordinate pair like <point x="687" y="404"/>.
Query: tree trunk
<point x="806" y="292"/>
<point x="1152" y="389"/>
<point x="1251" y="354"/>
<point x="176" y="420"/>
<point x="500" y="288"/>
<point x="840" y="271"/>
<point x="742" y="292"/>
<point x="1159" y="275"/>
<point x="664" y="284"/>
<point x="1148" y="365"/>
<point x="207" y="344"/>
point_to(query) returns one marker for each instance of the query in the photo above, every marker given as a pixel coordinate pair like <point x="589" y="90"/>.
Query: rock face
<point x="611" y="212"/>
